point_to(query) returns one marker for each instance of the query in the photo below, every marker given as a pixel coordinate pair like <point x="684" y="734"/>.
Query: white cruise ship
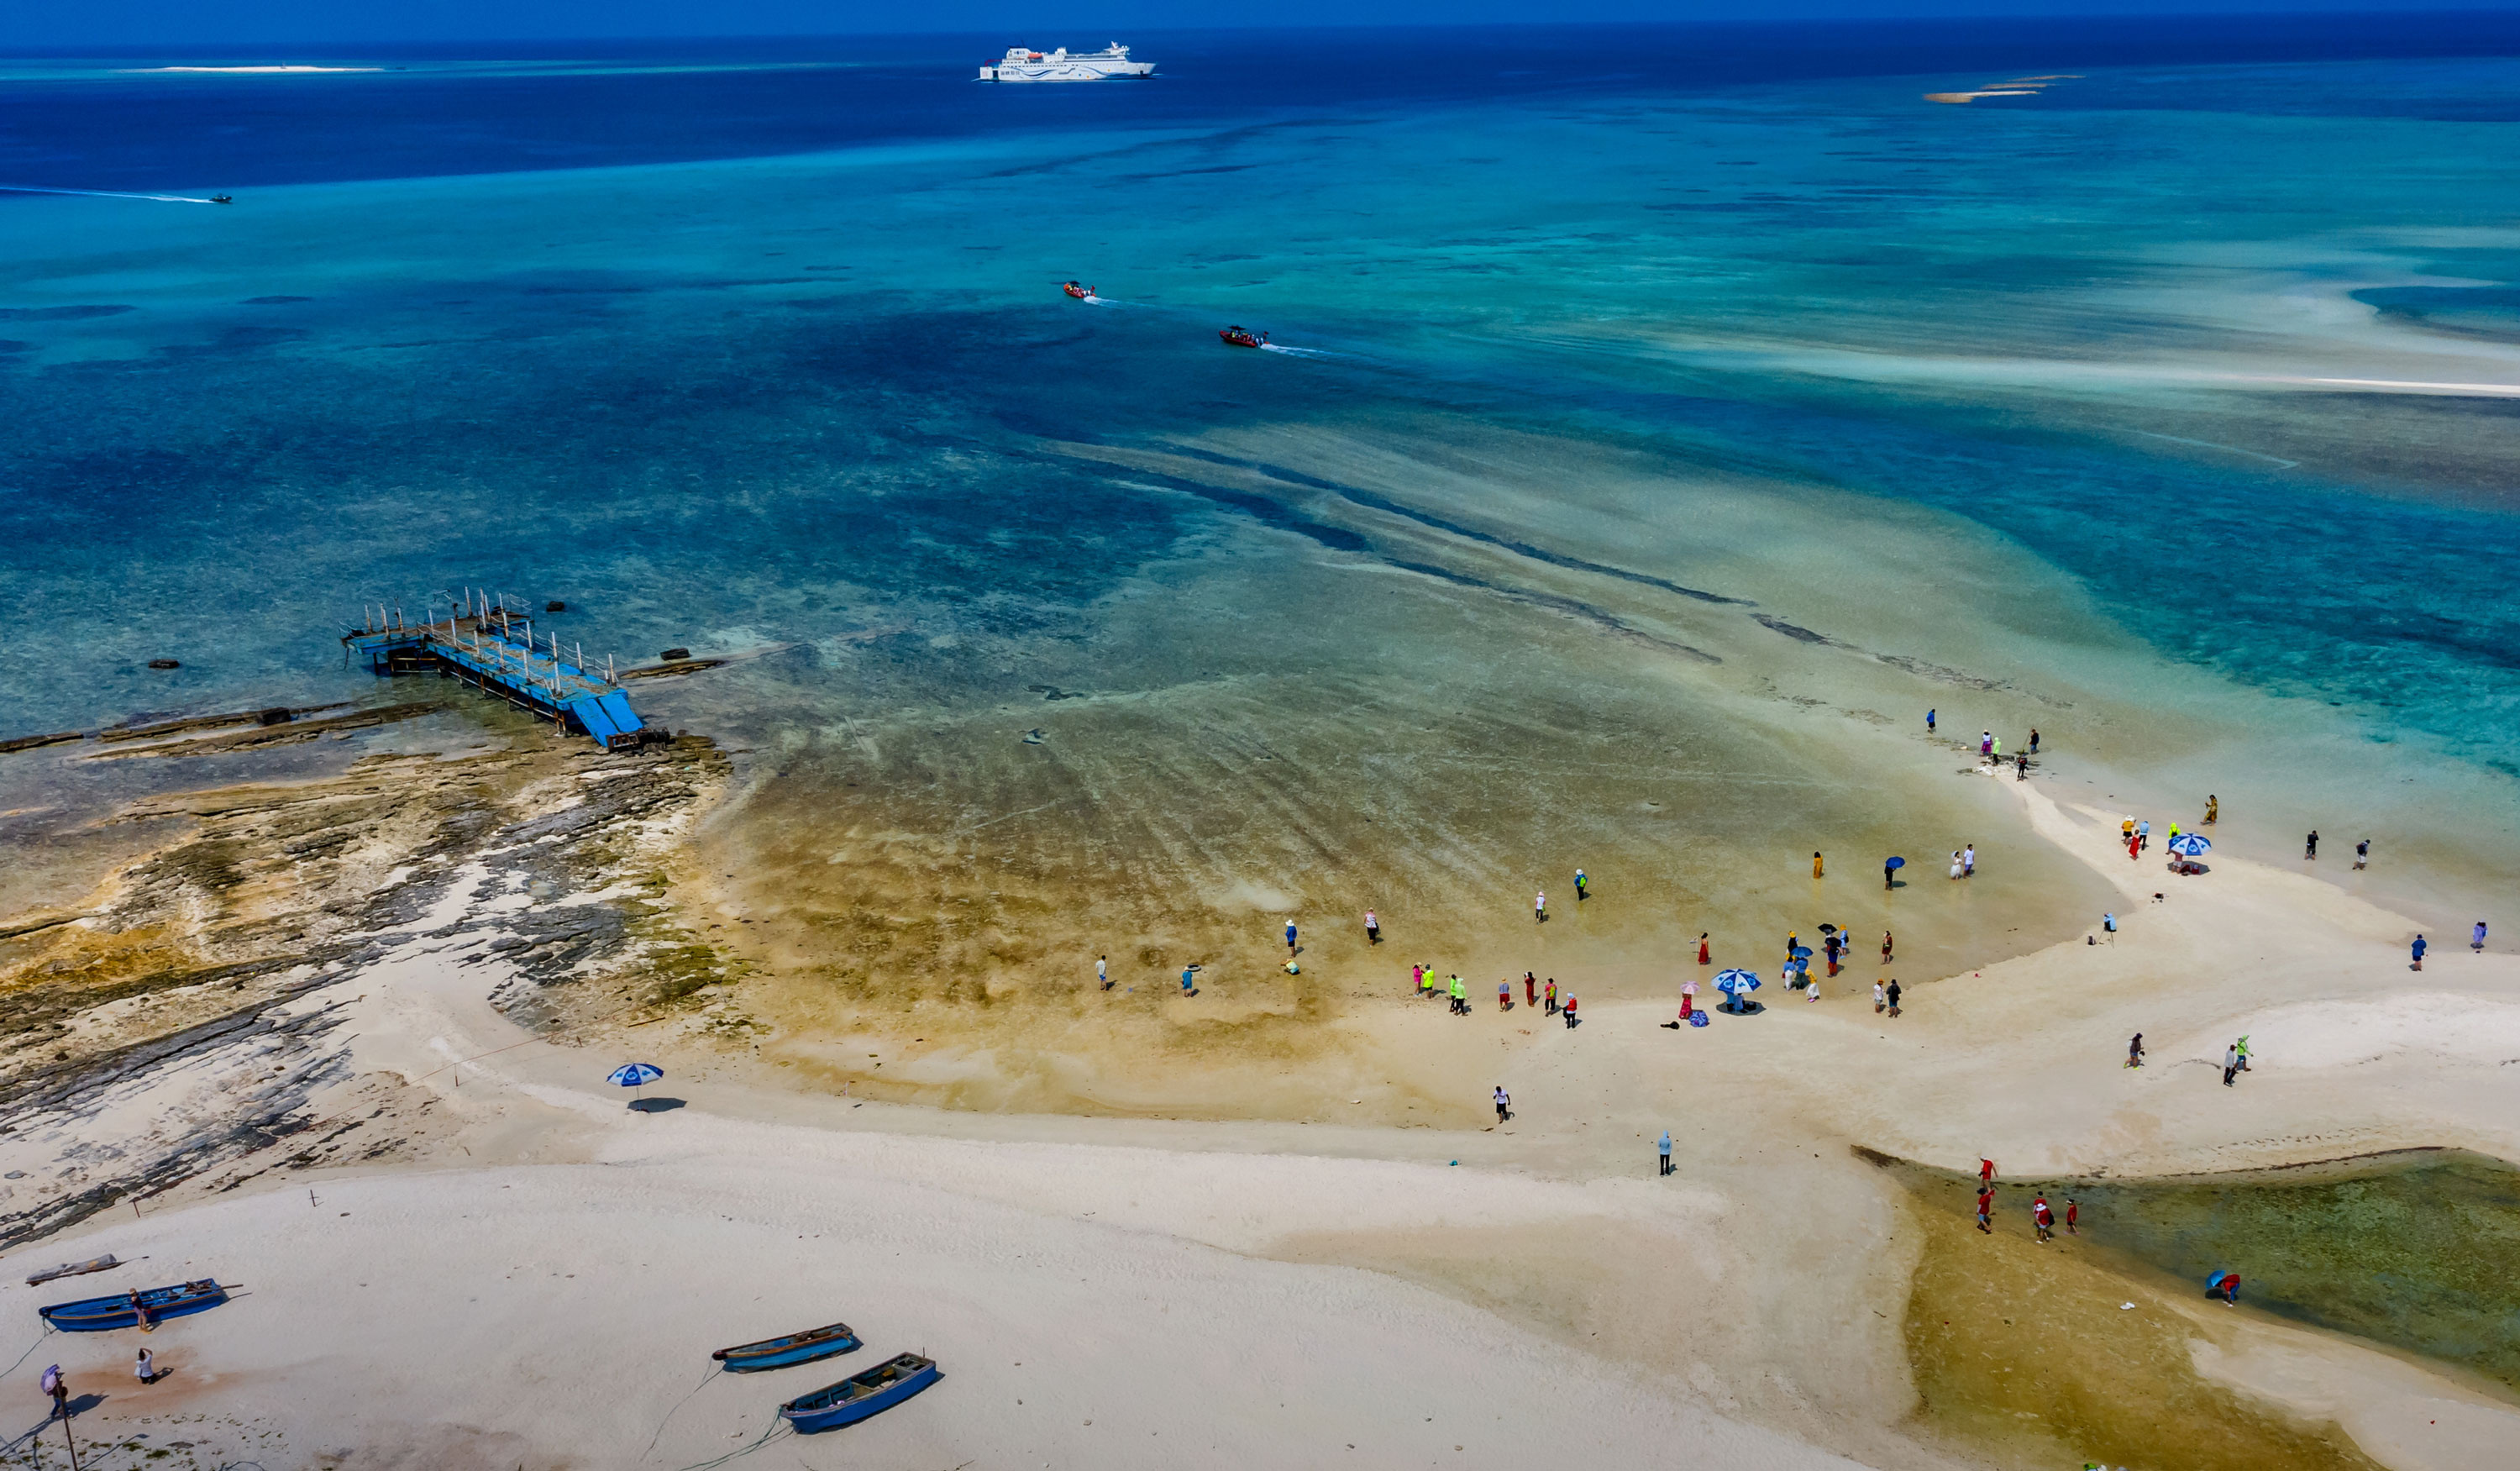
<point x="1022" y="65"/>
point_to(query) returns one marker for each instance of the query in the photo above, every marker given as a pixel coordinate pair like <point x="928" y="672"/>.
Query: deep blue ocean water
<point x="758" y="342"/>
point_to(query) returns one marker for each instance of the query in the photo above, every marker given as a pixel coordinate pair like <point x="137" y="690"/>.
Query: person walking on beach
<point x="1889" y="874"/>
<point x="2362" y="853"/>
<point x="1460" y="997"/>
<point x="1418" y="979"/>
<point x="2073" y="1214"/>
<point x="2126" y="831"/>
<point x="2231" y="1063"/>
<point x="1705" y="957"/>
<point x="2143" y="834"/>
<point x="1885" y="947"/>
<point x="1929" y="721"/>
<point x="1664" y="1145"/>
<point x="1540" y="908"/>
<point x="1505" y="1105"/>
<point x="2212" y="809"/>
<point x="1504" y="995"/>
<point x="1985" y="1208"/>
<point x="1814" y="864"/>
<point x="55" y="1385"/>
<point x="145" y="1368"/>
<point x="1955" y="863"/>
<point x="2310" y="845"/>
<point x="2135" y="1050"/>
<point x="2021" y="767"/>
<point x="2241" y="1047"/>
<point x="1189" y="971"/>
<point x="1968" y="862"/>
<point x="2476" y="938"/>
<point x="1290" y="937"/>
<point x="1530" y="990"/>
<point x="1880" y="999"/>
<point x="1568" y="1012"/>
<point x="1103" y="970"/>
<point x="2034" y="741"/>
<point x="1985" y="1170"/>
<point x="2419" y="953"/>
<point x="1985" y="743"/>
<point x="1580" y="892"/>
<point x="1373" y="929"/>
<point x="1892" y="996"/>
<point x="2043" y="1218"/>
<point x="1549" y="994"/>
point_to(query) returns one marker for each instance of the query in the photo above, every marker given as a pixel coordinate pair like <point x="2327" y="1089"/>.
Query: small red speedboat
<point x="1080" y="292"/>
<point x="1236" y="336"/>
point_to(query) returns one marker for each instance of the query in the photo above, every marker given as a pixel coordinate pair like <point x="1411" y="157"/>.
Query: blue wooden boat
<point x="859" y="1396"/>
<point x="124" y="1309"/>
<point x="827" y="1341"/>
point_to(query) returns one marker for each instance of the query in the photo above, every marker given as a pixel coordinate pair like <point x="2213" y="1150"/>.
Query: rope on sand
<point x="767" y="1436"/>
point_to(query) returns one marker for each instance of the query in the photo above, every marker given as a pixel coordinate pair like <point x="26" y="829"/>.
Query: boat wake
<point x="107" y="194"/>
<point x="1301" y="352"/>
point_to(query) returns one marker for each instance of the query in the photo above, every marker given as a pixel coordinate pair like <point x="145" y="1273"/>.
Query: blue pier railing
<point x="483" y="642"/>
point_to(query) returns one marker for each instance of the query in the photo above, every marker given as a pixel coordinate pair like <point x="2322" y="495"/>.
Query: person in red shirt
<point x="2072" y="1213"/>
<point x="1985" y="1170"/>
<point x="1702" y="949"/>
<point x="2043" y="1218"/>
<point x="1568" y="1012"/>
<point x="1985" y="1208"/>
<point x="1530" y="990"/>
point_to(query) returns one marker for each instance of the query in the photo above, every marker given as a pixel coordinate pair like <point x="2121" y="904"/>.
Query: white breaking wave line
<point x="105" y="193"/>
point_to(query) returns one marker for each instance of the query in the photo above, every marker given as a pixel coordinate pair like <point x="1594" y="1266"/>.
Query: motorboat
<point x="1080" y="292"/>
<point x="1236" y="336"/>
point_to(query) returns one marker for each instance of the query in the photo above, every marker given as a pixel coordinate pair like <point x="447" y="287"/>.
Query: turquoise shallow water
<point x="801" y="398"/>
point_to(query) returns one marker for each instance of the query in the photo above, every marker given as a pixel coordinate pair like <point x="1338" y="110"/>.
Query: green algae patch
<point x="2023" y="1351"/>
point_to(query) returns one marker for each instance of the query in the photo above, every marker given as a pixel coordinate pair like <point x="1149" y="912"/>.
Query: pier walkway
<point x="493" y="647"/>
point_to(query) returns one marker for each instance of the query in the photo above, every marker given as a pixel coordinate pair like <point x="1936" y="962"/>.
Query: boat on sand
<point x="128" y="1309"/>
<point x="859" y="1396"/>
<point x="827" y="1342"/>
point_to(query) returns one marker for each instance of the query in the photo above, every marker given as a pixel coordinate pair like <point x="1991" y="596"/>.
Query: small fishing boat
<point x="856" y="1397"/>
<point x="1236" y="336"/>
<point x="106" y="1263"/>
<point x="1080" y="292"/>
<point x="827" y="1341"/>
<point x="128" y="1309"/>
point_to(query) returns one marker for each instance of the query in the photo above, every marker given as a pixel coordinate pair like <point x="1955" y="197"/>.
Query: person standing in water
<point x="1581" y="893"/>
<point x="2476" y="938"/>
<point x="2310" y="845"/>
<point x="2034" y="741"/>
<point x="1985" y="743"/>
<point x="2362" y="853"/>
<point x="1373" y="929"/>
<point x="1968" y="862"/>
<point x="2419" y="953"/>
<point x="1663" y="1144"/>
<point x="1814" y="864"/>
<point x="2073" y="1214"/>
<point x="1540" y="908"/>
<point x="1889" y="874"/>
<point x="1929" y="721"/>
<point x="2212" y="809"/>
<point x="2021" y="767"/>
<point x="1704" y="956"/>
<point x="2043" y="1218"/>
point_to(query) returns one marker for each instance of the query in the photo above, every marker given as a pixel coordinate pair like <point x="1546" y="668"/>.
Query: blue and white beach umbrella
<point x="1737" y="983"/>
<point x="635" y="1075"/>
<point x="2189" y="844"/>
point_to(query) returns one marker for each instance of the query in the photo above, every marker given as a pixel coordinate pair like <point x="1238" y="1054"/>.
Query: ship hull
<point x="1065" y="72"/>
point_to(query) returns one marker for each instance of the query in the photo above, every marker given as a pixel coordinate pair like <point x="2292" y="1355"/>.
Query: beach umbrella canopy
<point x="1828" y="929"/>
<point x="2189" y="844"/>
<point x="1894" y="863"/>
<point x="1737" y="983"/>
<point x="635" y="1074"/>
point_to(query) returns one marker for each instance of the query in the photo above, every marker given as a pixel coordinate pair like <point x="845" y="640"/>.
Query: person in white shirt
<point x="1103" y="970"/>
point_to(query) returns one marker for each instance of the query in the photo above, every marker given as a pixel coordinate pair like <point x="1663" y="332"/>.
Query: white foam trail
<point x="238" y="70"/>
<point x="1301" y="352"/>
<point x="105" y="193"/>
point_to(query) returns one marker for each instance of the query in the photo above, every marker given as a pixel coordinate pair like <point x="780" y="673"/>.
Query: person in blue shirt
<point x="2419" y="953"/>
<point x="1290" y="937"/>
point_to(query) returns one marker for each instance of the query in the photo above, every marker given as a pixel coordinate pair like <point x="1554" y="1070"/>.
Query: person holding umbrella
<point x="1890" y="868"/>
<point x="1737" y="985"/>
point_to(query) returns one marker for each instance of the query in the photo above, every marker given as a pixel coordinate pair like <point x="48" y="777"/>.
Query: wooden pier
<point x="483" y="641"/>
